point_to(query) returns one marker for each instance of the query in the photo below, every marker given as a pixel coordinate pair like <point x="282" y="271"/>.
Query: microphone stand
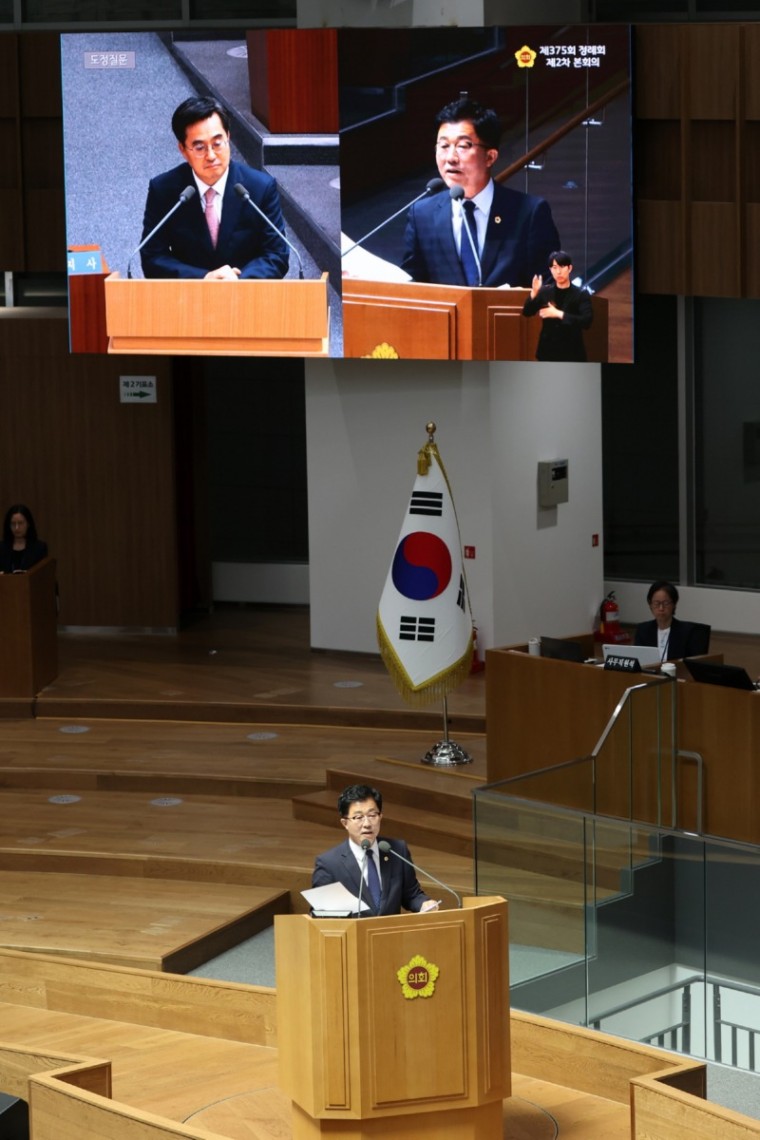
<point x="386" y="848"/>
<point x="365" y="848"/>
<point x="188" y="193"/>
<point x="432" y="188"/>
<point x="446" y="753"/>
<point x="457" y="194"/>
<point x="241" y="192"/>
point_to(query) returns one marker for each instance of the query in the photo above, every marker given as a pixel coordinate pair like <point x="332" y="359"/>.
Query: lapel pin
<point x="497" y="219"/>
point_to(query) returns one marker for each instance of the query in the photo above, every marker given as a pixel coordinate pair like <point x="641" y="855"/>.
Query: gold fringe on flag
<point x="436" y="688"/>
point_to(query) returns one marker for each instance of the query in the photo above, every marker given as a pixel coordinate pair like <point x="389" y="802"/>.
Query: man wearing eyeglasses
<point x="389" y="884"/>
<point x="215" y="234"/>
<point x="489" y="235"/>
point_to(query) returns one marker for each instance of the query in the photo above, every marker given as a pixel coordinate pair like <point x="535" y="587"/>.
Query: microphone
<point x="366" y="844"/>
<point x="386" y="848"/>
<point x="241" y="192"/>
<point x="456" y="193"/>
<point x="188" y="193"/>
<point x="434" y="186"/>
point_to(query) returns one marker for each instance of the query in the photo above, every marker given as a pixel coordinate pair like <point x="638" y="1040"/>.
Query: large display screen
<point x="403" y="193"/>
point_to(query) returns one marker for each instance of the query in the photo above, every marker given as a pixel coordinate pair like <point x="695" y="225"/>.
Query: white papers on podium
<point x="333" y="901"/>
<point x="361" y="263"/>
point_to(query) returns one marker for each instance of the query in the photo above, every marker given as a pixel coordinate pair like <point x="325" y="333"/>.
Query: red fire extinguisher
<point x="609" y="631"/>
<point x="477" y="665"/>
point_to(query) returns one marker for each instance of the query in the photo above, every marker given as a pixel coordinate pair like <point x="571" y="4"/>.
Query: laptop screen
<point x="714" y="673"/>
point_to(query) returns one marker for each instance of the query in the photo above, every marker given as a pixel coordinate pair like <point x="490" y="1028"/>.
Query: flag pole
<point x="446" y="753"/>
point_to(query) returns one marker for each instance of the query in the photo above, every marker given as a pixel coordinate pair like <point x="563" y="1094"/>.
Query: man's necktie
<point x="212" y="220"/>
<point x="466" y="255"/>
<point x="373" y="880"/>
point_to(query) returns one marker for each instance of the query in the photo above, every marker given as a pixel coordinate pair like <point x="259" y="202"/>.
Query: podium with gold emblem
<point x="395" y="1026"/>
<point x="413" y="321"/>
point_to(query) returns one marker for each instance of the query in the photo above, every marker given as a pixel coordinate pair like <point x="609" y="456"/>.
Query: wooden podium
<point x="412" y="321"/>
<point x="179" y="317"/>
<point x="395" y="1026"/>
<point x="28" y="630"/>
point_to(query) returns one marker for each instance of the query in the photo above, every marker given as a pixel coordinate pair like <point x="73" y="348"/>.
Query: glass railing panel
<point x="732" y="964"/>
<point x="535" y="857"/>
<point x="568" y="785"/>
<point x="635" y="756"/>
<point x="646" y="962"/>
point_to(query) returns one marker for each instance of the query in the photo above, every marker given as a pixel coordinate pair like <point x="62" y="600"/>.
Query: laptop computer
<point x="714" y="673"/>
<point x="646" y="655"/>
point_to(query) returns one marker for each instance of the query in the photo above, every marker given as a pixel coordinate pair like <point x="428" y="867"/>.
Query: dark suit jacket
<point x="399" y="882"/>
<point x="33" y="554"/>
<point x="687" y="638"/>
<point x="519" y="238"/>
<point x="182" y="247"/>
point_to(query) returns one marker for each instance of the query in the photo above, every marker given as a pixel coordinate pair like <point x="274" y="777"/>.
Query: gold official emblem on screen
<point x="418" y="978"/>
<point x="525" y="56"/>
<point x="382" y="351"/>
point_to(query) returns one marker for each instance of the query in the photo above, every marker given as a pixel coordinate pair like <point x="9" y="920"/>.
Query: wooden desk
<point x="28" y="630"/>
<point x="542" y="712"/>
<point x="415" y="321"/>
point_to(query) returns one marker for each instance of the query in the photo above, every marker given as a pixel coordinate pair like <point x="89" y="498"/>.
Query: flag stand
<point x="446" y="753"/>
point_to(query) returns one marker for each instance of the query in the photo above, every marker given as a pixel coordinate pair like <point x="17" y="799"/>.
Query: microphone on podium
<point x="434" y="186"/>
<point x="241" y="192"/>
<point x="386" y="849"/>
<point x="366" y="844"/>
<point x="188" y="193"/>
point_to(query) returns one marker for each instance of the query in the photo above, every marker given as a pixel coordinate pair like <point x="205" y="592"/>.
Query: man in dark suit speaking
<point x="389" y="884"/>
<point x="215" y="233"/>
<point x="511" y="234"/>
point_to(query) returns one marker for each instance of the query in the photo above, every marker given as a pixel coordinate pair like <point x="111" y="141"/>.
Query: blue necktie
<point x="466" y="256"/>
<point x="373" y="880"/>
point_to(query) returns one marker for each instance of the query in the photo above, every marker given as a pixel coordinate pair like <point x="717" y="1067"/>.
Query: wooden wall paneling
<point x="658" y="70"/>
<point x="42" y="152"/>
<point x="712" y="161"/>
<point x="714" y="208"/>
<point x="714" y="74"/>
<point x="294" y="79"/>
<point x="40" y="74"/>
<point x="258" y="74"/>
<point x="660" y="172"/>
<point x="714" y="250"/>
<point x="752" y="242"/>
<point x="45" y="232"/>
<point x="11" y="229"/>
<point x="714" y="253"/>
<point x="751" y="70"/>
<point x="658" y="156"/>
<point x="660" y="254"/>
<point x="98" y="474"/>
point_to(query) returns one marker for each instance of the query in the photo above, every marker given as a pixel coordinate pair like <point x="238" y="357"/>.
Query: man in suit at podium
<point x="215" y="233"/>
<point x="389" y="883"/>
<point x="511" y="234"/>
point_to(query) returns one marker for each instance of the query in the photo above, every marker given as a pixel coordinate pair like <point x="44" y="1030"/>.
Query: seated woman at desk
<point x="672" y="637"/>
<point x="20" y="548"/>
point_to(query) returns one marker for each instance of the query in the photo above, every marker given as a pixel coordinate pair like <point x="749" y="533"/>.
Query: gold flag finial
<point x="423" y="455"/>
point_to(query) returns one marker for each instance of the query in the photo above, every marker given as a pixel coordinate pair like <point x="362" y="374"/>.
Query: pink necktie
<point x="212" y="220"/>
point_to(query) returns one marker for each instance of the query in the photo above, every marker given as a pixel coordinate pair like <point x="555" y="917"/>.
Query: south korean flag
<point x="424" y="622"/>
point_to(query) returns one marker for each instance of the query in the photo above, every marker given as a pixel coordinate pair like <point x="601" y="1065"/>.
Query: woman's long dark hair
<point x="19" y="509"/>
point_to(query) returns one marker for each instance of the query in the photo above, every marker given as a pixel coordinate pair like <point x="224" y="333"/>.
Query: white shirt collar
<point x="219" y="186"/>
